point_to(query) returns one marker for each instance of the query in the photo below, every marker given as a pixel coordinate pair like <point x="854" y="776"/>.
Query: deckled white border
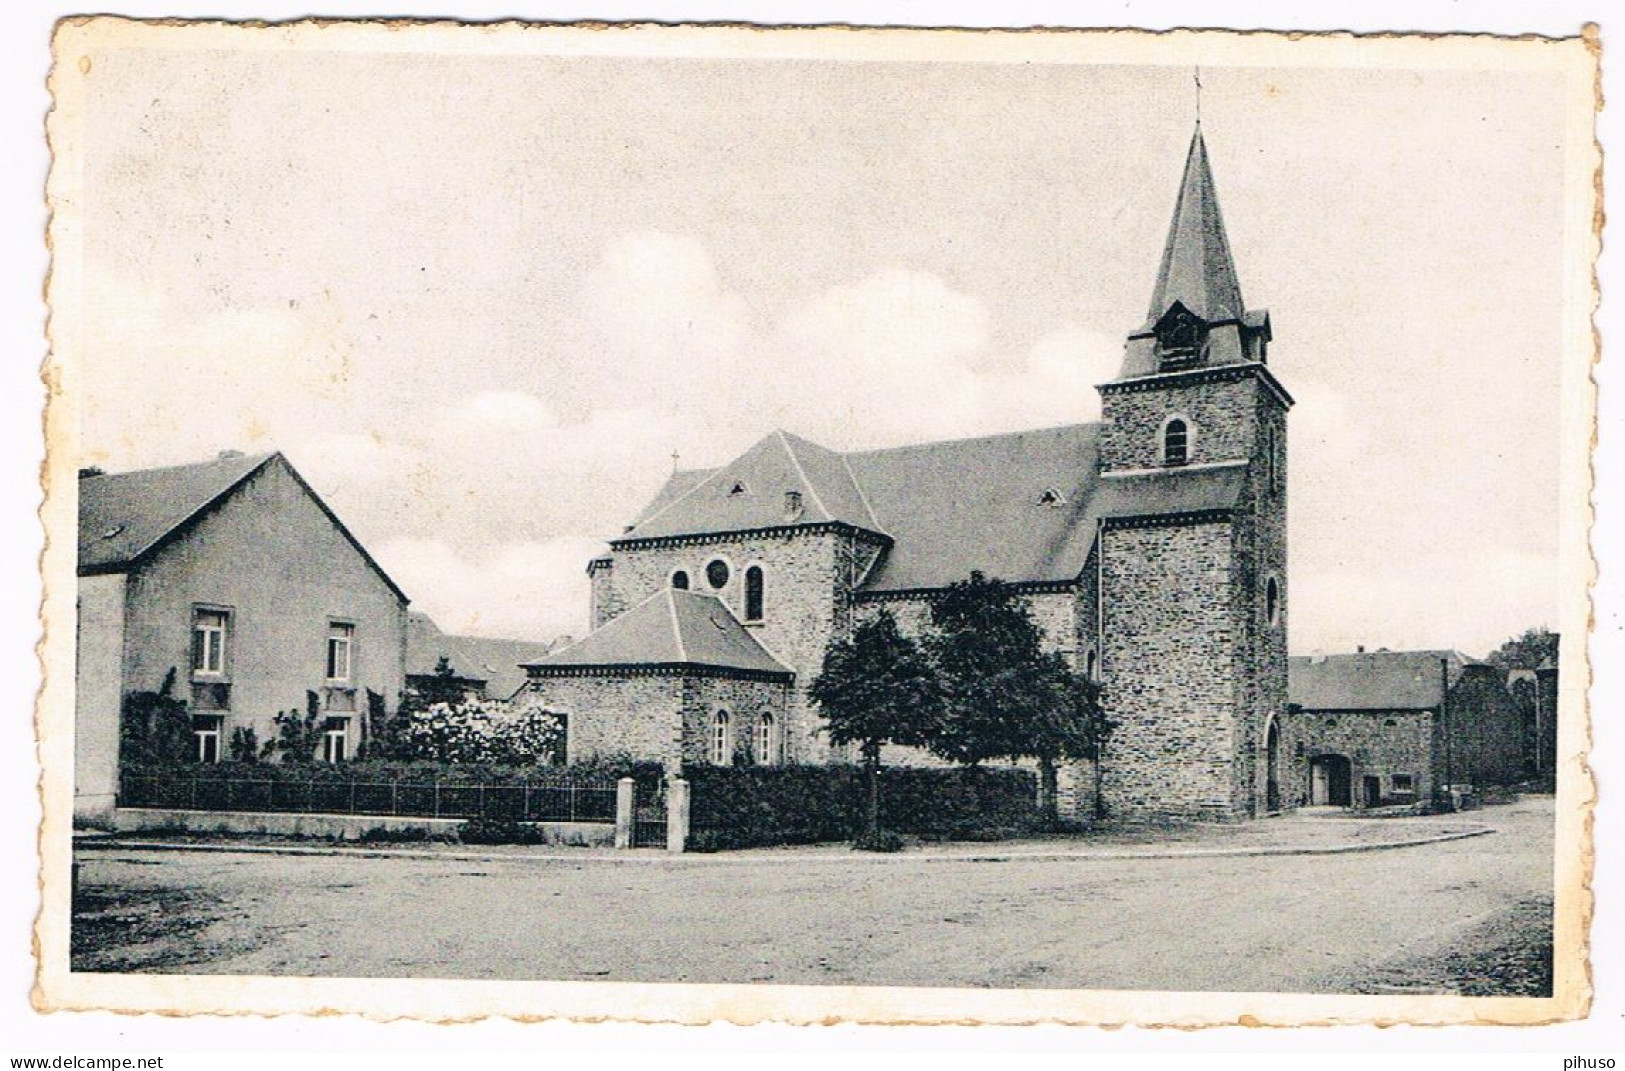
<point x="448" y="1000"/>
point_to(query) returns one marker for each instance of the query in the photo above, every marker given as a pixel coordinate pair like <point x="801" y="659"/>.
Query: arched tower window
<point x="765" y="753"/>
<point x="753" y="593"/>
<point x="1272" y="602"/>
<point x="1091" y="665"/>
<point x="1176" y="441"/>
<point x="719" y="738"/>
<point x="679" y="579"/>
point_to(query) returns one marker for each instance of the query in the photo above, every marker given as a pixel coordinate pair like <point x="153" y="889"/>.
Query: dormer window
<point x="738" y="488"/>
<point x="1051" y="497"/>
<point x="1176" y="442"/>
<point x="1181" y="337"/>
<point x="792" y="506"/>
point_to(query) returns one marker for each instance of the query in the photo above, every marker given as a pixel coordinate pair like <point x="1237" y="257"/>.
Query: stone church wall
<point x="1168" y="672"/>
<point x="613" y="714"/>
<point x="1222" y="417"/>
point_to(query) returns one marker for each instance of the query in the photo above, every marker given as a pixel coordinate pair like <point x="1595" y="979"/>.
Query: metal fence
<point x="540" y="801"/>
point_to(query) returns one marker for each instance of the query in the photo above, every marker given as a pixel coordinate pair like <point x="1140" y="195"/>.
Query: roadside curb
<point x="656" y="858"/>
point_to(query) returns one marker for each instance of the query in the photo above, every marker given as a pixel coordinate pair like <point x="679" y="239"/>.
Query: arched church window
<point x="765" y="753"/>
<point x="1272" y="602"/>
<point x="1091" y="665"/>
<point x="717" y="573"/>
<point x="754" y="581"/>
<point x="719" y="738"/>
<point x="679" y="579"/>
<point x="1176" y="442"/>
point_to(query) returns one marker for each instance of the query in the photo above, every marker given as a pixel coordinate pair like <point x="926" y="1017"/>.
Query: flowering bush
<point x="479" y="733"/>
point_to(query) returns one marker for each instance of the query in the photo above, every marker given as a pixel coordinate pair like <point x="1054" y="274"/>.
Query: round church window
<point x="716" y="574"/>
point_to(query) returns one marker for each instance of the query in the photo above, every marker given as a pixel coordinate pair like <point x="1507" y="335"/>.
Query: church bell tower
<point x="1193" y="549"/>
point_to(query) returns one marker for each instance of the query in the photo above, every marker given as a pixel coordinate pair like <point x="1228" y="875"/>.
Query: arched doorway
<point x="1272" y="768"/>
<point x="1329" y="781"/>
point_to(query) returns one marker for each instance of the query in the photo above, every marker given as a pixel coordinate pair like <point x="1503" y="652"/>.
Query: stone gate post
<point x="624" y="789"/>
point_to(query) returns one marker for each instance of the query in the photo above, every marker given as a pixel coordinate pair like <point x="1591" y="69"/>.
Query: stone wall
<point x="613" y="714"/>
<point x="1486" y="729"/>
<point x="1221" y="417"/>
<point x="273" y="560"/>
<point x="1169" y="672"/>
<point x="746" y="702"/>
<point x="808" y="574"/>
<point x="1379" y="744"/>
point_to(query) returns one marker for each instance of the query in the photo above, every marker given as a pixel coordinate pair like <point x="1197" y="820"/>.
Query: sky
<point x="480" y="301"/>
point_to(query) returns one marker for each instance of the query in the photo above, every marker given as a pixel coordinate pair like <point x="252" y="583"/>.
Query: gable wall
<point x="272" y="558"/>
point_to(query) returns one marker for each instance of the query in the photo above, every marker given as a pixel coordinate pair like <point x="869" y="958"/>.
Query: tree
<point x="1005" y="696"/>
<point x="1527" y="651"/>
<point x="443" y="687"/>
<point x="877" y="688"/>
<point x="156" y="727"/>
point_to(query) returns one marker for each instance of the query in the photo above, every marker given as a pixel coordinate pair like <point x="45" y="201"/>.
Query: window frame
<point x="336" y="728"/>
<point x="759" y="591"/>
<point x="728" y="571"/>
<point x="766" y="738"/>
<point x="1187" y="441"/>
<point x="208" y="731"/>
<point x="222" y="647"/>
<point x="341" y="631"/>
<point x="671" y="580"/>
<point x="721" y="737"/>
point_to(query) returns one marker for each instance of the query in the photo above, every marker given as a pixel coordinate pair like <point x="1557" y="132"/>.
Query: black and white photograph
<point x="817" y="524"/>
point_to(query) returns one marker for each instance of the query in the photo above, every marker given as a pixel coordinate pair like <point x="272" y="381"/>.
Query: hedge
<point x="757" y="806"/>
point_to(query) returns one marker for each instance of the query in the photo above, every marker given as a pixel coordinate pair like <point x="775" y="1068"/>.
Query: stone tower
<point x="1193" y="607"/>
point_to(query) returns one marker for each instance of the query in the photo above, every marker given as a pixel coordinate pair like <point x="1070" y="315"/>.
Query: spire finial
<point x="1198" y="95"/>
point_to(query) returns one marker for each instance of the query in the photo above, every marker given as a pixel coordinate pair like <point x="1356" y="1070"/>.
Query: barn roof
<point x="1370" y="680"/>
<point x="494" y="663"/>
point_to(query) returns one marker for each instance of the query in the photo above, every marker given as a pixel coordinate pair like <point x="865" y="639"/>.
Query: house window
<point x="679" y="580"/>
<point x="206" y="735"/>
<point x="765" y="754"/>
<point x="1404" y="783"/>
<point x="340" y="646"/>
<point x="335" y="739"/>
<point x="753" y="593"/>
<point x="1176" y="442"/>
<point x="209" y="642"/>
<point x="717" y="573"/>
<point x="719" y="738"/>
<point x="1272" y="602"/>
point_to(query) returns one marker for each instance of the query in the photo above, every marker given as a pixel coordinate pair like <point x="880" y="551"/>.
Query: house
<point x="235" y="577"/>
<point x="1150" y="547"/>
<point x="480" y="667"/>
<point x="1394" y="727"/>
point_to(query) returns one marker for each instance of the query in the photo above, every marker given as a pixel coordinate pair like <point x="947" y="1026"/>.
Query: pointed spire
<point x="1197" y="270"/>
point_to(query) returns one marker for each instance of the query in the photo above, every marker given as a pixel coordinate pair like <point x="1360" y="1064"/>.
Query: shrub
<point x="499" y="831"/>
<point x="155" y="727"/>
<point x="755" y="806"/>
<point x="405" y="835"/>
<point x="881" y="840"/>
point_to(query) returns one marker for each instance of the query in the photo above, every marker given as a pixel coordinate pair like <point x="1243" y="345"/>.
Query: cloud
<point x="530" y="590"/>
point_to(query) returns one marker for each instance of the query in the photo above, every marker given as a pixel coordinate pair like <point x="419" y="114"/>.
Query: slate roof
<point x="670" y="629"/>
<point x="126" y="516"/>
<point x="1197" y="269"/>
<point x="493" y="663"/>
<point x="1371" y="680"/>
<point x="942" y="524"/>
<point x="749" y="492"/>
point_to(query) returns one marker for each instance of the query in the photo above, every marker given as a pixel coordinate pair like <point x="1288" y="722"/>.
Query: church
<point x="1150" y="547"/>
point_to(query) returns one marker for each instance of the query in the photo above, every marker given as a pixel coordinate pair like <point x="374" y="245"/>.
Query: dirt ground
<point x="1470" y="916"/>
